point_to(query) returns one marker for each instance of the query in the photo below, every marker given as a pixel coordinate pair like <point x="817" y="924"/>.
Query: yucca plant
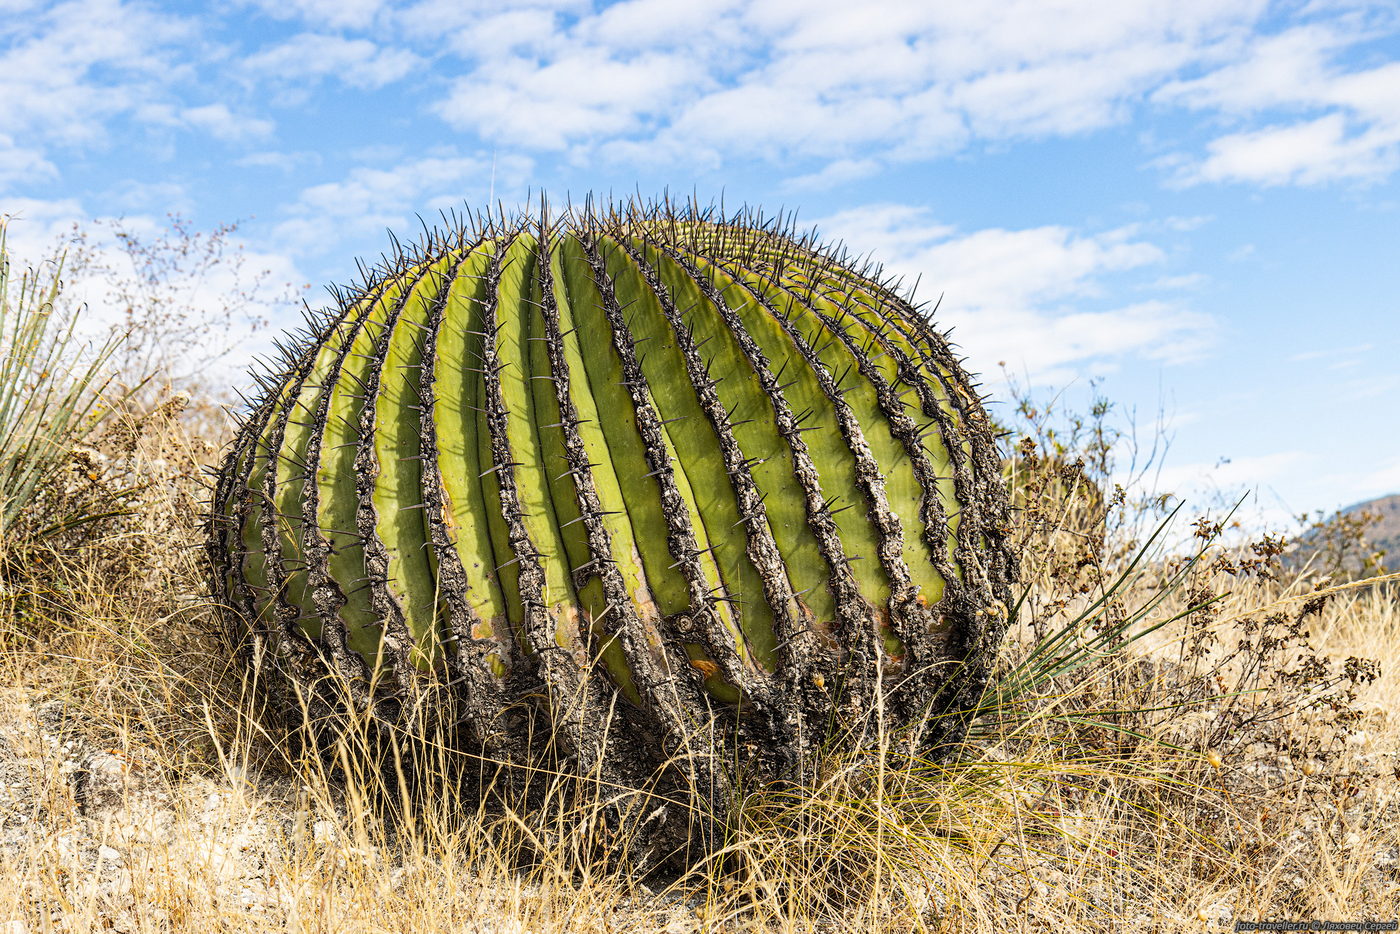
<point x="687" y="488"/>
<point x="51" y="398"/>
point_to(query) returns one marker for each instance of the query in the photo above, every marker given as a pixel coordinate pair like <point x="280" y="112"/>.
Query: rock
<point x="1217" y="913"/>
<point x="58" y="718"/>
<point x="323" y="831"/>
<point x="101" y="779"/>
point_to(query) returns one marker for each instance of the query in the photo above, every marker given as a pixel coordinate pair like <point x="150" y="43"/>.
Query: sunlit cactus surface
<point x="684" y="487"/>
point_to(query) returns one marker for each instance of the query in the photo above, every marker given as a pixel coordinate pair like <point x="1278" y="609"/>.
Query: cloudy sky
<point x="1193" y="202"/>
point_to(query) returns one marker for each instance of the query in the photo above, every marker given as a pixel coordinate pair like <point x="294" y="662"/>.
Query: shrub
<point x="54" y="393"/>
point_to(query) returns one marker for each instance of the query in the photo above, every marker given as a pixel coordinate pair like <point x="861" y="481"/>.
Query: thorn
<point x="505" y="465"/>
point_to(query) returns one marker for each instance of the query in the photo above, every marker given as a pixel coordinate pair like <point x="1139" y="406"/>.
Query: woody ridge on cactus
<point x="684" y="486"/>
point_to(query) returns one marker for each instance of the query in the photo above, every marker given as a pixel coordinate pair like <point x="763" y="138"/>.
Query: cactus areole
<point x="686" y="486"/>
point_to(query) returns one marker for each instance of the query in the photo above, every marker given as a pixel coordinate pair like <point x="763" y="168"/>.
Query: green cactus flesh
<point x="687" y="473"/>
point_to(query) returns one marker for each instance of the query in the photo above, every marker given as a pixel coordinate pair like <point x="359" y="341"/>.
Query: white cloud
<point x="1186" y="224"/>
<point x="777" y="121"/>
<point x="1310" y="152"/>
<point x="1265" y="74"/>
<point x="834" y="174"/>
<point x="894" y="232"/>
<point x="166" y="197"/>
<point x="581" y="96"/>
<point x="36" y="227"/>
<point x="337" y="14"/>
<point x="69" y="71"/>
<point x="1005" y="291"/>
<point x="1190" y="280"/>
<point x="1340" y="124"/>
<point x="1381" y="481"/>
<point x="1228" y="473"/>
<point x="369" y="200"/>
<point x="836" y="88"/>
<point x="1366" y="383"/>
<point x="661" y="81"/>
<point x="283" y="161"/>
<point x="22" y="163"/>
<point x="66" y="70"/>
<point x="637" y="24"/>
<point x="998" y="267"/>
<point x="1333" y="352"/>
<point x="437" y="19"/>
<point x="221" y="123"/>
<point x="1248" y="485"/>
<point x="358" y="63"/>
<point x="493" y="36"/>
<point x="824" y="78"/>
<point x="980" y="37"/>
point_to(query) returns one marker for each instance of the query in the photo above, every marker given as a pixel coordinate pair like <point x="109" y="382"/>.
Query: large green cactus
<point x="686" y="485"/>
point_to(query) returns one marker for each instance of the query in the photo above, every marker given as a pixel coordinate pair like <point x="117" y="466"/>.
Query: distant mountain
<point x="1336" y="538"/>
<point x="1385" y="533"/>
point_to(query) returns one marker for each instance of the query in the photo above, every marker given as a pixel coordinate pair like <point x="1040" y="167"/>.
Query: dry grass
<point x="1228" y="766"/>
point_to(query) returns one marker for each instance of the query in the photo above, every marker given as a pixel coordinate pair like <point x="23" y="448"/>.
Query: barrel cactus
<point x="686" y="486"/>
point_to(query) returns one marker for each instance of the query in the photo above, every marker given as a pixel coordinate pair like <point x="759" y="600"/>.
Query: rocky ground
<point x="95" y="838"/>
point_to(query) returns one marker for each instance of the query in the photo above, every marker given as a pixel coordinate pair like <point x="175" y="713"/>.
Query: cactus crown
<point x="641" y="463"/>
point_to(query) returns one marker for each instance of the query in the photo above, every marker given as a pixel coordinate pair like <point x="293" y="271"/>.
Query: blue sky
<point x="1195" y="203"/>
